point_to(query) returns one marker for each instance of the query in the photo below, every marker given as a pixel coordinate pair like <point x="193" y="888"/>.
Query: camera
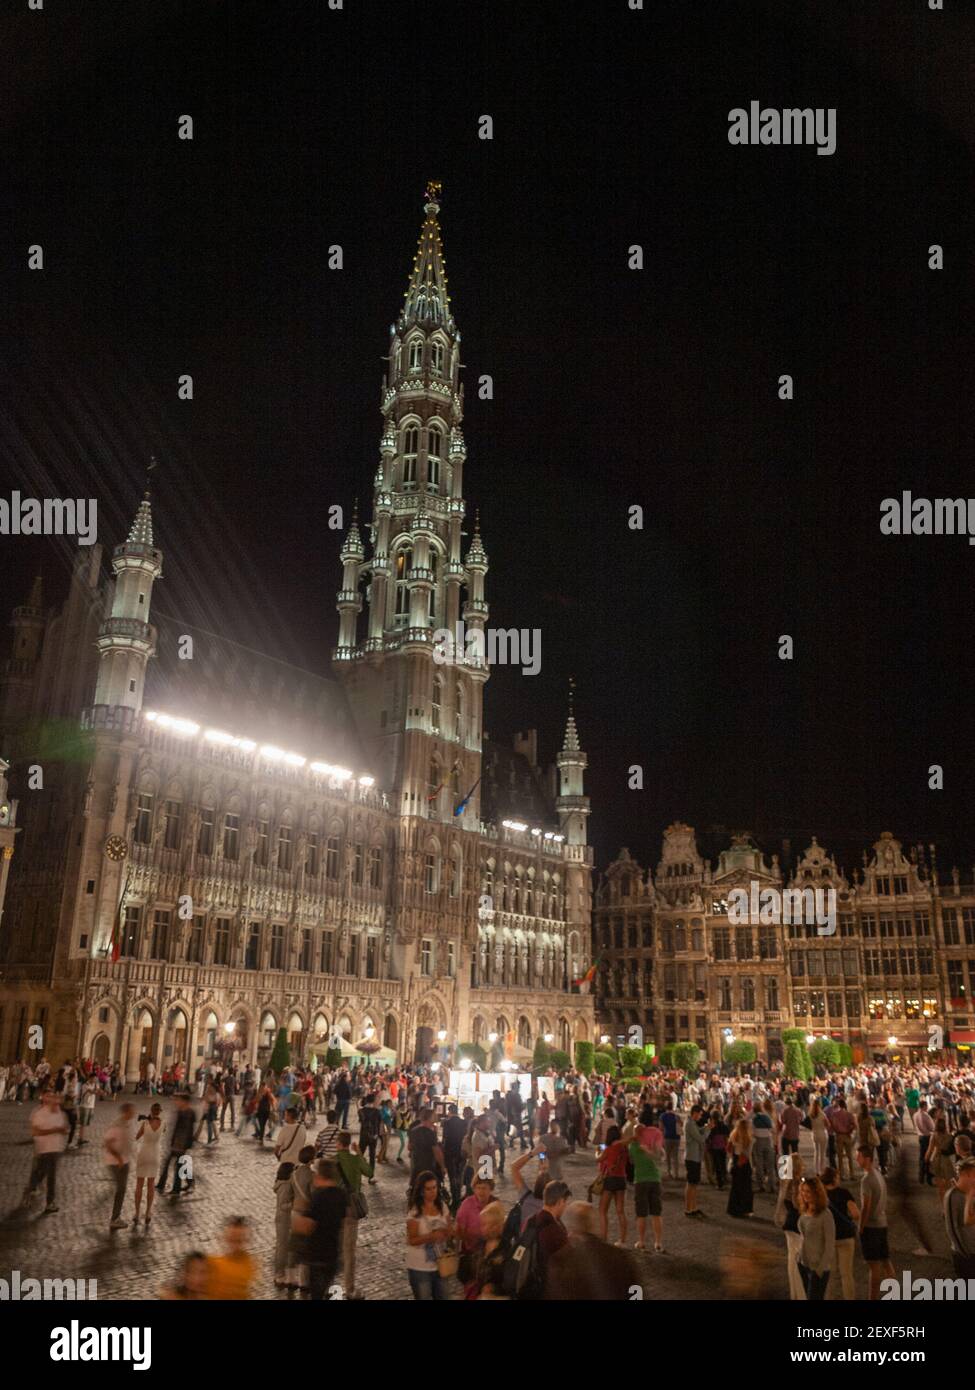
<point x="143" y="1117"/>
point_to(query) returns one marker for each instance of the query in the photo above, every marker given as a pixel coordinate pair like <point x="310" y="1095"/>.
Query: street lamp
<point x="810" y="1038"/>
<point x="441" y="1035"/>
<point x="465" y="1064"/>
<point x="368" y="1032"/>
<point x="229" y="1028"/>
<point x="604" y="1037"/>
<point x="550" y="1037"/>
<point x="492" y="1038"/>
<point x="891" y="1041"/>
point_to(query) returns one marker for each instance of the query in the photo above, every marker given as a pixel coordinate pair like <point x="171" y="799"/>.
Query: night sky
<point x="612" y="387"/>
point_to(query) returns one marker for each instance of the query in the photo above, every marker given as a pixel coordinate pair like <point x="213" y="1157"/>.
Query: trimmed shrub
<point x="560" y="1060"/>
<point x="667" y="1054"/>
<point x="824" y="1052"/>
<point x="474" y="1051"/>
<point x="605" y="1063"/>
<point x="281" y="1053"/>
<point x="741" y="1053"/>
<point x="795" y="1060"/>
<point x="542" y="1055"/>
<point x="686" y="1057"/>
<point x="585" y="1054"/>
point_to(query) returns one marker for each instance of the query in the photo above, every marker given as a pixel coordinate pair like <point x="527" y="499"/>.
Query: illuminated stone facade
<point x="265" y="847"/>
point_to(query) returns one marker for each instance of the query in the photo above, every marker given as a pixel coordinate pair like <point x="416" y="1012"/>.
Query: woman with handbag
<point x="284" y="1195"/>
<point x="428" y="1230"/>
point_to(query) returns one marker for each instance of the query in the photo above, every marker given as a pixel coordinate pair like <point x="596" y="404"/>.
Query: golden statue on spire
<point x="434" y="191"/>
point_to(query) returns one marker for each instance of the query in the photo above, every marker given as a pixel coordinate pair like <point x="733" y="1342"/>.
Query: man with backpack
<point x="526" y="1268"/>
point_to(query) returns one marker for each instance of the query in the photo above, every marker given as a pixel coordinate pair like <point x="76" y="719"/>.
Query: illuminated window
<point x="404" y="561"/>
<point x="431" y="873"/>
<point x="434" y="455"/>
<point x="416" y="354"/>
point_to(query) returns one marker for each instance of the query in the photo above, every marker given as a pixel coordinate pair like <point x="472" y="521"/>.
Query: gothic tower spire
<point x="125" y="639"/>
<point x="421" y="716"/>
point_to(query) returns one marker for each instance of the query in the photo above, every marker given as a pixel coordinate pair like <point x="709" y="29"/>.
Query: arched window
<point x="455" y="873"/>
<point x="437" y="355"/>
<point x="404" y="563"/>
<point x="416" y="354"/>
<point x="411" y="447"/>
<point x="433" y="783"/>
<point x="431" y="871"/>
<point x="434" y="455"/>
<point x="434" y="567"/>
<point x="459" y="712"/>
<point x="436" y="704"/>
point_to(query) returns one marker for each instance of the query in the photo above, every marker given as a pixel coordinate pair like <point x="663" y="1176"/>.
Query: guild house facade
<point x="222" y="845"/>
<point x="895" y="978"/>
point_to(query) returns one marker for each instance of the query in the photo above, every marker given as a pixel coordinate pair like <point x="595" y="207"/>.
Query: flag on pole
<point x="461" y="805"/>
<point x="434" y="794"/>
<point x="590" y="974"/>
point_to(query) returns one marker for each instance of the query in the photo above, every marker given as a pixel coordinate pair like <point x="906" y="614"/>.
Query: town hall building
<point x="221" y="845"/>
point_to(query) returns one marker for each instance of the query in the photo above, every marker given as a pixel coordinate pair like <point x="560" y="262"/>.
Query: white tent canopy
<point x="382" y="1054"/>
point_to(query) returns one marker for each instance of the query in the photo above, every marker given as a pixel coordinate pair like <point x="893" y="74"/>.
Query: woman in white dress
<point x="147" y="1160"/>
<point x="820" y="1134"/>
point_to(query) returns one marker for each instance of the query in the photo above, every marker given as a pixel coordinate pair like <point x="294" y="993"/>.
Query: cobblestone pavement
<point x="234" y="1175"/>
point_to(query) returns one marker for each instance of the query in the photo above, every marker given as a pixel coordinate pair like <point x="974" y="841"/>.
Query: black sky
<point x="612" y="387"/>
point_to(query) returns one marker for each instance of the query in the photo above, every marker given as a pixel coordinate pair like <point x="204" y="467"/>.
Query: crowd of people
<point x="333" y="1132"/>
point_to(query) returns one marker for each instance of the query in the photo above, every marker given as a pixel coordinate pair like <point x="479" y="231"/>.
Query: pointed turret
<point x="125" y="639"/>
<point x="572" y="804"/>
<point x="349" y="601"/>
<point x="140" y="532"/>
<point x="427" y="302"/>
